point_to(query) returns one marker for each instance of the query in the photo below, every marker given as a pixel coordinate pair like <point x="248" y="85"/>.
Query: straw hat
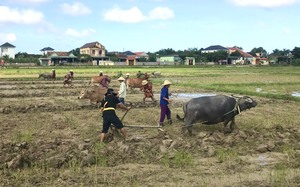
<point x="53" y="69"/>
<point x="101" y="71"/>
<point x="71" y="70"/>
<point x="127" y="74"/>
<point x="166" y="82"/>
<point x="121" y="79"/>
<point x="144" y="82"/>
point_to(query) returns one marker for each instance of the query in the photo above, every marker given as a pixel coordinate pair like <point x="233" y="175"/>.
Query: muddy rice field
<point x="50" y="138"/>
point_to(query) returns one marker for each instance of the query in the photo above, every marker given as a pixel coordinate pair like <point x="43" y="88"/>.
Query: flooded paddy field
<point x="50" y="138"/>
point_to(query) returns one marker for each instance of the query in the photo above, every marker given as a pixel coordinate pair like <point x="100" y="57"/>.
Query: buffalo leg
<point x="225" y="129"/>
<point x="232" y="125"/>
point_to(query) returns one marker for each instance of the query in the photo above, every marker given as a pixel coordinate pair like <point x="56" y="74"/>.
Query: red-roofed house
<point x="245" y="58"/>
<point x="141" y="55"/>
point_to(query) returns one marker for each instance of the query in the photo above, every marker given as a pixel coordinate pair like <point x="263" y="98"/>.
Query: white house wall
<point x="8" y="51"/>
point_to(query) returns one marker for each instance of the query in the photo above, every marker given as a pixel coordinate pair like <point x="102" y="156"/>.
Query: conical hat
<point x="144" y="82"/>
<point x="166" y="82"/>
<point x="121" y="79"/>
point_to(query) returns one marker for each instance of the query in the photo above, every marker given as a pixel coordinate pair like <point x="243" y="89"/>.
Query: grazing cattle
<point x="95" y="94"/>
<point x="47" y="76"/>
<point x="98" y="79"/>
<point x="211" y="110"/>
<point x="136" y="82"/>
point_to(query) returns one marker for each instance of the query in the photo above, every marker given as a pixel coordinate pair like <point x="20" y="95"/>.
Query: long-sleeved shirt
<point x="164" y="93"/>
<point x="122" y="90"/>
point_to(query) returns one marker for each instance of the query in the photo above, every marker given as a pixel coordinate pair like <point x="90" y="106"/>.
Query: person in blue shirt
<point x="164" y="101"/>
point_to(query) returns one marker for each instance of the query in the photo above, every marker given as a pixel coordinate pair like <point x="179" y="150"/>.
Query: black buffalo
<point x="211" y="110"/>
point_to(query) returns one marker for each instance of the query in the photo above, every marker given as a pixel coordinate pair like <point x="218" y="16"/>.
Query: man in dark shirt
<point x="108" y="107"/>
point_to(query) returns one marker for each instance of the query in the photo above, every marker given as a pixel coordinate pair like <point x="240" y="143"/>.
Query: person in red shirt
<point x="147" y="89"/>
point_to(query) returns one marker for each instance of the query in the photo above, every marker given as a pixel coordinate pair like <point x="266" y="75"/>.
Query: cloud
<point x="135" y="15"/>
<point x="10" y="37"/>
<point x="83" y="33"/>
<point x="286" y="31"/>
<point x="75" y="9"/>
<point x="162" y="13"/>
<point x="264" y="3"/>
<point x="25" y="16"/>
<point x="33" y="1"/>
<point x="29" y="1"/>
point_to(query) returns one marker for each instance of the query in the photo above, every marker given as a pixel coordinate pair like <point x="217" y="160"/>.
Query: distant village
<point x="98" y="56"/>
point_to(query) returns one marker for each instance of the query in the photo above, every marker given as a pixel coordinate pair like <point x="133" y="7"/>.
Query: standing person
<point x="147" y="89"/>
<point x="108" y="107"/>
<point x="104" y="82"/>
<point x="122" y="90"/>
<point x="164" y="101"/>
<point x="139" y="74"/>
<point x="53" y="74"/>
<point x="126" y="77"/>
<point x="72" y="74"/>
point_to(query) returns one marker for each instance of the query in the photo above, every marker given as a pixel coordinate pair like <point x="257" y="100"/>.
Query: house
<point x="46" y="50"/>
<point x="131" y="58"/>
<point x="7" y="49"/>
<point x="170" y="59"/>
<point x="57" y="58"/>
<point x="214" y="48"/>
<point x="189" y="61"/>
<point x="141" y="55"/>
<point x="96" y="51"/>
<point x="245" y="58"/>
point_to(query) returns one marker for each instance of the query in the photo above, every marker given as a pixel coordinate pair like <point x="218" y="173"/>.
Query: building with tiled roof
<point x="57" y="58"/>
<point x="96" y="50"/>
<point x="46" y="50"/>
<point x="245" y="58"/>
<point x="7" y="49"/>
<point x="214" y="48"/>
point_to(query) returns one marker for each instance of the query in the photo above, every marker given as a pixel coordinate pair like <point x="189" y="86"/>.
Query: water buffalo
<point x="47" y="76"/>
<point x="95" y="94"/>
<point x="98" y="79"/>
<point x="211" y="110"/>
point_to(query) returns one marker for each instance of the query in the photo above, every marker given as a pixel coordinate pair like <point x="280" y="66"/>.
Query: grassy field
<point x="50" y="138"/>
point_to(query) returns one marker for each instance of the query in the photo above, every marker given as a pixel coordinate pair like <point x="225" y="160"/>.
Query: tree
<point x="216" y="56"/>
<point x="260" y="51"/>
<point x="238" y="47"/>
<point x="165" y="52"/>
<point x="152" y="57"/>
<point x="296" y="52"/>
<point x="236" y="54"/>
<point x="75" y="52"/>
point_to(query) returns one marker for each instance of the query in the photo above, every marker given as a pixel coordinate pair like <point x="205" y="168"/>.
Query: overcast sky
<point x="149" y="25"/>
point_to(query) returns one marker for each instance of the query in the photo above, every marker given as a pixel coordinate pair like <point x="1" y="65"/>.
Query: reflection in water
<point x="192" y="95"/>
<point x="296" y="94"/>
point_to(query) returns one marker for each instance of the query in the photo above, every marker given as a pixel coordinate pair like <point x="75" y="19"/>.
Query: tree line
<point x="277" y="56"/>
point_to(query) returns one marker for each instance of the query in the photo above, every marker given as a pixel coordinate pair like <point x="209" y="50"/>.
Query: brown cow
<point x="98" y="79"/>
<point x="136" y="82"/>
<point x="95" y="94"/>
